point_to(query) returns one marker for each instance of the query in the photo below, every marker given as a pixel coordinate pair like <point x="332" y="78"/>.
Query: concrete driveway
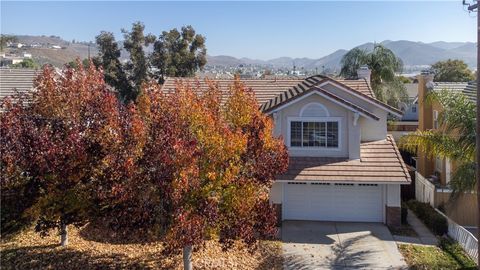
<point x="339" y="245"/>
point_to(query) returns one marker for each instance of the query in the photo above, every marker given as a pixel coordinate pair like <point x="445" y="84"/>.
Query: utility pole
<point x="472" y="8"/>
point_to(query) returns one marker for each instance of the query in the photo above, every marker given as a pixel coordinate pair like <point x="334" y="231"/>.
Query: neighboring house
<point x="409" y="121"/>
<point x="410" y="108"/>
<point x="343" y="165"/>
<point x="13" y="80"/>
<point x="434" y="174"/>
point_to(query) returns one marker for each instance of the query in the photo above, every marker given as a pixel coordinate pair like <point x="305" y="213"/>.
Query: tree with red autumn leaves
<point x="222" y="162"/>
<point x="57" y="140"/>
<point x="196" y="165"/>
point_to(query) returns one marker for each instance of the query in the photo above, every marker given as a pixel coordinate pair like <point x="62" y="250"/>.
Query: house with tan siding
<point x="434" y="174"/>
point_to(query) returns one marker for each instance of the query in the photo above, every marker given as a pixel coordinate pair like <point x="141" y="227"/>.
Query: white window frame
<point x="314" y="119"/>
<point x="318" y="104"/>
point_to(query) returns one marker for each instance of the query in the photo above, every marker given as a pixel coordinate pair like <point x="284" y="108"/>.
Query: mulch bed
<point x="28" y="250"/>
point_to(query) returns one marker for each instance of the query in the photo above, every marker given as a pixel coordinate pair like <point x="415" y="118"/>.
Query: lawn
<point x="448" y="255"/>
<point x="28" y="250"/>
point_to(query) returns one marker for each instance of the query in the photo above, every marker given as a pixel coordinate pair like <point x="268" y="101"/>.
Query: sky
<point x="259" y="30"/>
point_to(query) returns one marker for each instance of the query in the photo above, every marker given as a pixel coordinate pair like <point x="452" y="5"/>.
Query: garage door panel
<point x="332" y="202"/>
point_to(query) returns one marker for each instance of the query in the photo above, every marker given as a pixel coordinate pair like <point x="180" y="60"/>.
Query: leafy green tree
<point x="179" y="53"/>
<point x="392" y="92"/>
<point x="352" y="61"/>
<point x="4" y="39"/>
<point x="383" y="64"/>
<point x="137" y="67"/>
<point x="109" y="59"/>
<point x="176" y="53"/>
<point x="74" y="64"/>
<point x="404" y="79"/>
<point x="452" y="71"/>
<point x="455" y="139"/>
<point x="26" y="63"/>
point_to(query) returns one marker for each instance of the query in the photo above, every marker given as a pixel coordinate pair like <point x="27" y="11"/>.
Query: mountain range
<point x="413" y="54"/>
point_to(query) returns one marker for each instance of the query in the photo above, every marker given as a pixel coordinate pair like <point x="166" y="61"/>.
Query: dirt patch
<point x="30" y="251"/>
<point x="403" y="230"/>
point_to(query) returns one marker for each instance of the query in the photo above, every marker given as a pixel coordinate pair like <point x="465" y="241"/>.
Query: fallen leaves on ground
<point x="30" y="251"/>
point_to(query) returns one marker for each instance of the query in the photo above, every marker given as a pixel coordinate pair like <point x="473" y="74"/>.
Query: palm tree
<point x="455" y="139"/>
<point x="383" y="63"/>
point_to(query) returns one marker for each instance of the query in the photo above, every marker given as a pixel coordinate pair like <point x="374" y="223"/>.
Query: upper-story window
<point x="314" y="134"/>
<point x="314" y="128"/>
<point x="414" y="108"/>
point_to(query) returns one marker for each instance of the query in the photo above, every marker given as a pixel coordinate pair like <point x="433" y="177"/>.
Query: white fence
<point x="465" y="238"/>
<point x="424" y="190"/>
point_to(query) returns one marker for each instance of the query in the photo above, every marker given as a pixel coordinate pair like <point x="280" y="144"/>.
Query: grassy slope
<point x="450" y="256"/>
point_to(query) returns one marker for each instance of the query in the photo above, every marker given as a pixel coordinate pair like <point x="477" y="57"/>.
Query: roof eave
<point x="322" y="93"/>
<point x="406" y="182"/>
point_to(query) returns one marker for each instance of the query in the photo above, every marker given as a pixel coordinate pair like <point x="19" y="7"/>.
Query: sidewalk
<point x="425" y="237"/>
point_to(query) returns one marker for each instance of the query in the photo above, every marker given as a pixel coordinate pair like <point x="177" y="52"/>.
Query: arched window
<point x="314" y="109"/>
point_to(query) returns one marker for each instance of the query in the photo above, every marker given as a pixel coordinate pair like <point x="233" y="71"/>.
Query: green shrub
<point x="431" y="218"/>
<point x="454" y="250"/>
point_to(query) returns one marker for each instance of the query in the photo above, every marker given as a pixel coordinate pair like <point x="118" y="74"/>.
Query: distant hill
<point x="41" y="49"/>
<point x="412" y="53"/>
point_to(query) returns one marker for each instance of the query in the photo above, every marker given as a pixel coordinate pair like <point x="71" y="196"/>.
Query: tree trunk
<point x="63" y="233"/>
<point x="187" y="258"/>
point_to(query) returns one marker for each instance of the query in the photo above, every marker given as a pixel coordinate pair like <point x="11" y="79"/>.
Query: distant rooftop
<point x="469" y="89"/>
<point x="14" y="80"/>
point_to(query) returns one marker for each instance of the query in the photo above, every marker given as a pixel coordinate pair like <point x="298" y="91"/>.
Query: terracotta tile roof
<point x="12" y="80"/>
<point x="467" y="88"/>
<point x="268" y="89"/>
<point x="264" y="89"/>
<point x="380" y="162"/>
<point x="361" y="85"/>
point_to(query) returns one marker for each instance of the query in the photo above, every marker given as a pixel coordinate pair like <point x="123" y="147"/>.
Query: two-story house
<point x="343" y="165"/>
<point x="409" y="108"/>
<point x="434" y="174"/>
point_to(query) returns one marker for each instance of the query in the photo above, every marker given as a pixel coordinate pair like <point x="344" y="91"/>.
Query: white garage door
<point x="332" y="202"/>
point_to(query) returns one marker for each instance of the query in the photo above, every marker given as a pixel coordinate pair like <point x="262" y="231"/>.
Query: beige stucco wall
<point x="371" y="129"/>
<point x="393" y="195"/>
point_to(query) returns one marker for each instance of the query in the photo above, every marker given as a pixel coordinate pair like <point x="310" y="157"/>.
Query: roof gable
<point x="315" y="82"/>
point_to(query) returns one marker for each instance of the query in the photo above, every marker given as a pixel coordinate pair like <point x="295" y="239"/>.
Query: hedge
<point x="431" y="218"/>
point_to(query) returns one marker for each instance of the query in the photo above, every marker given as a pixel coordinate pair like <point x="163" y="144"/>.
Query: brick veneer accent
<point x="394" y="216"/>
<point x="278" y="211"/>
